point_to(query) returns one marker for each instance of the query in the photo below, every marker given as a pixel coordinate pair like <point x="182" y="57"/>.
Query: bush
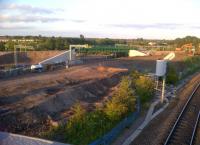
<point x="125" y="94"/>
<point x="192" y="65"/>
<point x="171" y="76"/>
<point x="192" y="61"/>
<point x="75" y="123"/>
<point x="92" y="125"/>
<point x="115" y="110"/>
<point x="134" y="75"/>
<point x="73" y="127"/>
<point x="122" y="102"/>
<point x="144" y="88"/>
<point x="84" y="127"/>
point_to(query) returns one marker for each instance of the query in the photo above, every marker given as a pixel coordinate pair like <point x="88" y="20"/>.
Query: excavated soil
<point x="30" y="57"/>
<point x="29" y="104"/>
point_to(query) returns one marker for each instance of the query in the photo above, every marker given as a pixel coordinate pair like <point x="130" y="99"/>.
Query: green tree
<point x="84" y="127"/>
<point x="2" y="46"/>
<point x="115" y="110"/>
<point x="134" y="75"/>
<point x="59" y="43"/>
<point x="122" y="102"/>
<point x="41" y="46"/>
<point x="144" y="88"/>
<point x="188" y="39"/>
<point x="82" y="39"/>
<point x="172" y="76"/>
<point x="105" y="41"/>
<point x="76" y="122"/>
<point x="66" y="44"/>
<point x="50" y="43"/>
<point x="10" y="45"/>
<point x="78" y="111"/>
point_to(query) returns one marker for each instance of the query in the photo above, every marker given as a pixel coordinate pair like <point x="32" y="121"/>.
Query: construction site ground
<point x="29" y="104"/>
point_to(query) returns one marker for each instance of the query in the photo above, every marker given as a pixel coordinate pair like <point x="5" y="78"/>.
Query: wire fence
<point x="6" y="73"/>
<point x="108" y="138"/>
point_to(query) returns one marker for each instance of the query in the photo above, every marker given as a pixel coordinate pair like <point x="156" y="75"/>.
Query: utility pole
<point x="163" y="89"/>
<point x="15" y="56"/>
<point x="70" y="56"/>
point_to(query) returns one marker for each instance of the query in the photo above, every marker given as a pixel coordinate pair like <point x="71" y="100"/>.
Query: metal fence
<point x="108" y="138"/>
<point x="14" y="72"/>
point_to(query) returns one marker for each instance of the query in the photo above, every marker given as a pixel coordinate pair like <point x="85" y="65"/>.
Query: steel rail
<point x="195" y="130"/>
<point x="180" y="115"/>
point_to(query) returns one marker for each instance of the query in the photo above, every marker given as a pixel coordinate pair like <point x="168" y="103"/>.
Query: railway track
<point x="195" y="134"/>
<point x="184" y="130"/>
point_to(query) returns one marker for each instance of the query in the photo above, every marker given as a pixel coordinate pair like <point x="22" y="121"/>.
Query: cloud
<point x="78" y="21"/>
<point x="27" y="8"/>
<point x="195" y="27"/>
<point x="146" y="26"/>
<point x="28" y="18"/>
<point x="3" y="27"/>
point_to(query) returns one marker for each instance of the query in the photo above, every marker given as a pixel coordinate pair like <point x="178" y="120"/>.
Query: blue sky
<point x="160" y="19"/>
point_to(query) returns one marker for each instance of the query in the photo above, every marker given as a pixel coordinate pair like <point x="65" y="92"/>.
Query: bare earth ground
<point x="30" y="57"/>
<point x="29" y="103"/>
<point x="158" y="129"/>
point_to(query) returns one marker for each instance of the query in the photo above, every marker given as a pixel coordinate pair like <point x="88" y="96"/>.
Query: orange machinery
<point x="188" y="48"/>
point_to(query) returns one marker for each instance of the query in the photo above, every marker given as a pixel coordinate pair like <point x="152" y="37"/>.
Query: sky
<point x="150" y="19"/>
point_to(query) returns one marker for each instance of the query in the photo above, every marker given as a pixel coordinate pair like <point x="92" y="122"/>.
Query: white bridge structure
<point x="133" y="53"/>
<point x="63" y="57"/>
<point x="170" y="56"/>
<point x="68" y="57"/>
<point x="77" y="46"/>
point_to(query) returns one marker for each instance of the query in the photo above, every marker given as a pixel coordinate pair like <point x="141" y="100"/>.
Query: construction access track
<point x="179" y="123"/>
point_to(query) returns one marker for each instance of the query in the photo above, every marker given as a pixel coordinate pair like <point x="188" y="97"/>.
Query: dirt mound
<point x="30" y="57"/>
<point x="108" y="69"/>
<point x="25" y="120"/>
<point x="27" y="103"/>
<point x="101" y="68"/>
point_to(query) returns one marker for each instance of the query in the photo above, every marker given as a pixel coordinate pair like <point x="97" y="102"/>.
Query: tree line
<point x="188" y="39"/>
<point x="53" y="43"/>
<point x="62" y="43"/>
